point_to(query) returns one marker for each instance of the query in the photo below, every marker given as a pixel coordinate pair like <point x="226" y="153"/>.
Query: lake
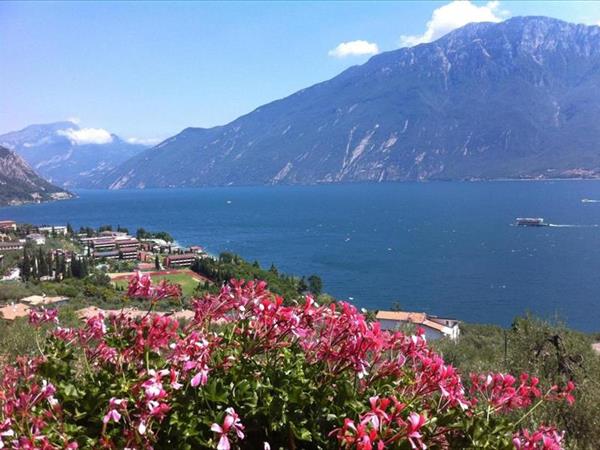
<point x="446" y="248"/>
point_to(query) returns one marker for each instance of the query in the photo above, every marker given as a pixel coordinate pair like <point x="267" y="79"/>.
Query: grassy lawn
<point x="187" y="283"/>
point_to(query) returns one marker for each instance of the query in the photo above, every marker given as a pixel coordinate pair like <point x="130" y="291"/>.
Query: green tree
<point x="56" y="266"/>
<point x="315" y="284"/>
<point x="302" y="286"/>
<point x="141" y="234"/>
<point x="164" y="236"/>
<point x="35" y="274"/>
<point x="63" y="267"/>
<point x="26" y="266"/>
<point x="84" y="268"/>
<point x="89" y="232"/>
<point x="43" y="267"/>
<point x="75" y="267"/>
<point x="396" y="306"/>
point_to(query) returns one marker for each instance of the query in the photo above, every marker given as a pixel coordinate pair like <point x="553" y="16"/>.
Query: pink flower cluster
<point x="141" y="286"/>
<point x="503" y="393"/>
<point x="43" y="315"/>
<point x="26" y="399"/>
<point x="546" y="438"/>
<point x="383" y="426"/>
<point x="157" y="363"/>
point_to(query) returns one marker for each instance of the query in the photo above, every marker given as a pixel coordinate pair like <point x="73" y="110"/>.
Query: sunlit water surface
<point x="444" y="248"/>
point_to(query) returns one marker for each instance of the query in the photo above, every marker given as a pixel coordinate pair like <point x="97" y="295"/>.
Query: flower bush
<point x="251" y="372"/>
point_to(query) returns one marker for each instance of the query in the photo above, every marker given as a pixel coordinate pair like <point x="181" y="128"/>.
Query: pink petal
<point x="196" y="380"/>
<point x="223" y="443"/>
<point x="228" y="422"/>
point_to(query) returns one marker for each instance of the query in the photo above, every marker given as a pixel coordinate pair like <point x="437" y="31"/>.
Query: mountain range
<point x="20" y="184"/>
<point x="68" y="155"/>
<point x="518" y="99"/>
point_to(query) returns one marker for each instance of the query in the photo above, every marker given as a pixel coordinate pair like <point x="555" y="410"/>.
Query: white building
<point x="13" y="275"/>
<point x="36" y="238"/>
<point x="58" y="230"/>
<point x="115" y="234"/>
<point x="434" y="327"/>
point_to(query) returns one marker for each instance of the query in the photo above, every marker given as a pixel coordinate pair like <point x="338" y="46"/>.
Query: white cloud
<point x="587" y="20"/>
<point x="454" y="15"/>
<point x="87" y="136"/>
<point x="75" y="120"/>
<point x="143" y="141"/>
<point x="354" y="48"/>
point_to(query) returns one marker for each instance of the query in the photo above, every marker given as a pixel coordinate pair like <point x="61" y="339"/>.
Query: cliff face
<point x="517" y="99"/>
<point x="20" y="184"/>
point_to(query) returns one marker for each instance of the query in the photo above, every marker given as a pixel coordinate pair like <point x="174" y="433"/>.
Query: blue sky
<point x="148" y="70"/>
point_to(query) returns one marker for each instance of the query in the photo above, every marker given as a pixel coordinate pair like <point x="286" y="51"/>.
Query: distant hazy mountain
<point x="20" y="184"/>
<point x="69" y="155"/>
<point x="518" y="99"/>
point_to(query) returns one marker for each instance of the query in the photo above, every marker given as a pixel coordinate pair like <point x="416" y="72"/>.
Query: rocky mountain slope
<point x="517" y="99"/>
<point x="68" y="155"/>
<point x="20" y="184"/>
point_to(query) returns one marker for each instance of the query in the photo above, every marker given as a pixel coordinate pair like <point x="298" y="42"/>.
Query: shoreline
<point x="58" y="198"/>
<point x="73" y="195"/>
<point x="349" y="183"/>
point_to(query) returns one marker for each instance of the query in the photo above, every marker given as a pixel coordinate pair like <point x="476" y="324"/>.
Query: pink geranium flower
<point x="231" y="423"/>
<point x="113" y="406"/>
<point x="414" y="424"/>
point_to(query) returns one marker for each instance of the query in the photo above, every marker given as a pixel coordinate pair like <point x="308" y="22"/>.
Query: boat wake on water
<point x="539" y="222"/>
<point x="558" y="225"/>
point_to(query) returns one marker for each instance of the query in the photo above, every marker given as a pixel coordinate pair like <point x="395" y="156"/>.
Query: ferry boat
<point x="531" y="222"/>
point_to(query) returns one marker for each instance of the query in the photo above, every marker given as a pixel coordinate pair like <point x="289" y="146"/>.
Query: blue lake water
<point x="444" y="248"/>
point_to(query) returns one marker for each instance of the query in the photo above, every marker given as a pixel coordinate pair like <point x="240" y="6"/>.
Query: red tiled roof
<point x="402" y="316"/>
<point x="410" y="317"/>
<point x="11" y="312"/>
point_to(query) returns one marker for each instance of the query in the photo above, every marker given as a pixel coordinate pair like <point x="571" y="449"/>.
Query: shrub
<point x="14" y="290"/>
<point x="250" y="372"/>
<point x="548" y="350"/>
